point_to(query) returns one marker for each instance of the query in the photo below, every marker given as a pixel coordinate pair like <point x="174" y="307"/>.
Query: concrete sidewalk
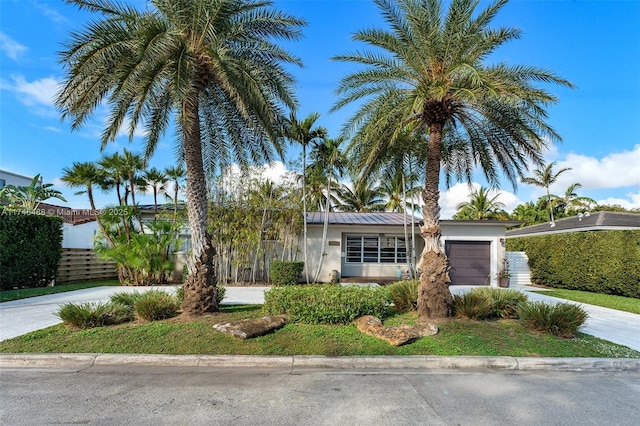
<point x="23" y="316"/>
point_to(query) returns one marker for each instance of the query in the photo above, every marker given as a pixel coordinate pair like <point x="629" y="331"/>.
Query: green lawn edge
<point x="25" y="293"/>
<point x="197" y="336"/>
<point x="620" y="303"/>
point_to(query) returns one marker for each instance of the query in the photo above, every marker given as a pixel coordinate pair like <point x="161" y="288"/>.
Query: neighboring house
<point x="373" y="245"/>
<point x="594" y="221"/>
<point x="79" y="227"/>
<point x="10" y="178"/>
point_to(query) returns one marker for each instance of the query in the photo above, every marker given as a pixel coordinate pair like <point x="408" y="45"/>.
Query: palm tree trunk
<point x="434" y="297"/>
<point x="200" y="292"/>
<point x="325" y="226"/>
<point x="304" y="210"/>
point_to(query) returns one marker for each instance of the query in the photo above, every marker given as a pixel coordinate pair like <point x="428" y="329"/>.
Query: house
<point x="587" y="221"/>
<point x="385" y="246"/>
<point x="10" y="178"/>
<point x="79" y="227"/>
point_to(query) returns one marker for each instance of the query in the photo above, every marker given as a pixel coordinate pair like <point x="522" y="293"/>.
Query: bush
<point x="562" y="319"/>
<point x="127" y="299"/>
<point x="156" y="305"/>
<point x="222" y="291"/>
<point x="285" y="272"/>
<point x="404" y="295"/>
<point x="503" y="302"/>
<point x="473" y="305"/>
<point x="327" y="304"/>
<point x="89" y="315"/>
<point x="30" y="248"/>
<point x="605" y="262"/>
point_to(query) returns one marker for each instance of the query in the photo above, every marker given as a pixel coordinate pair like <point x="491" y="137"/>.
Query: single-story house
<point x="380" y="246"/>
<point x="79" y="227"/>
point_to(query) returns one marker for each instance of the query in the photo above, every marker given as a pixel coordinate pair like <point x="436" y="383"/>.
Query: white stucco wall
<point x="334" y="251"/>
<point x="79" y="236"/>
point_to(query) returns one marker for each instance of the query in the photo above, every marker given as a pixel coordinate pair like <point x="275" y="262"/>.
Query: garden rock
<point x="395" y="335"/>
<point x="246" y="329"/>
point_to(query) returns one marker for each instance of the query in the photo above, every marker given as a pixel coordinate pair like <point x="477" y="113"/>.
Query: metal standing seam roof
<point x="596" y="221"/>
<point x="371" y="219"/>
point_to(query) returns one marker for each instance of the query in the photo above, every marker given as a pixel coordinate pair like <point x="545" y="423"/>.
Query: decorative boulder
<point x="395" y="335"/>
<point x="246" y="329"/>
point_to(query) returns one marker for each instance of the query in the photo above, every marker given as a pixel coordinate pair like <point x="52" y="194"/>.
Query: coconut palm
<point x="544" y="178"/>
<point x="572" y="201"/>
<point x="176" y="174"/>
<point x="211" y="66"/>
<point x="303" y="133"/>
<point x="428" y="75"/>
<point x="481" y="206"/>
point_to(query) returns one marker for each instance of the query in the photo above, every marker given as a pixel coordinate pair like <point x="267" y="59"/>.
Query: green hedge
<point x="30" y="248"/>
<point x="605" y="262"/>
<point x="327" y="304"/>
<point x="284" y="272"/>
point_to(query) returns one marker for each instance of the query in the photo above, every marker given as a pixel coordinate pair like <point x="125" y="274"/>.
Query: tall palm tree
<point x="572" y="201"/>
<point x="157" y="180"/>
<point x="176" y="174"/>
<point x="544" y="178"/>
<point x="211" y="65"/>
<point x="427" y="75"/>
<point x="327" y="156"/>
<point x="303" y="133"/>
<point x="481" y="206"/>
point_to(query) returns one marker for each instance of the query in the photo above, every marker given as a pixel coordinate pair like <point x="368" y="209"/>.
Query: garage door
<point x="470" y="262"/>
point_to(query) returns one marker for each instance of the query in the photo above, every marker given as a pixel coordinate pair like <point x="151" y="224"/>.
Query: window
<point x="376" y="249"/>
<point x="2" y="183"/>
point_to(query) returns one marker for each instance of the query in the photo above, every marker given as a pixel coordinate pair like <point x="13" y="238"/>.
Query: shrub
<point x="605" y="262"/>
<point x="285" y="272"/>
<point x="127" y="299"/>
<point x="503" y="302"/>
<point x="156" y="305"/>
<point x="89" y="315"/>
<point x="327" y="304"/>
<point x="562" y="319"/>
<point x="30" y="248"/>
<point x="222" y="290"/>
<point x="404" y="295"/>
<point x="473" y="305"/>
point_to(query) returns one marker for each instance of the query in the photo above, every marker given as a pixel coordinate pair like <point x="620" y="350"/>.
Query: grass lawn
<point x="627" y="304"/>
<point x="181" y="335"/>
<point x="23" y="293"/>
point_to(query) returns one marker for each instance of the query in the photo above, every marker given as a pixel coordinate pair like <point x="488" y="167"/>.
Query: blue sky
<point x="594" y="44"/>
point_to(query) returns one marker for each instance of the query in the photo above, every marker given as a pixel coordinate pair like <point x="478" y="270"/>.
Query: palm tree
<point x="572" y="201"/>
<point x="212" y="65"/>
<point x="157" y="179"/>
<point x="303" y="133"/>
<point x="427" y="75"/>
<point x="327" y="156"/>
<point x="365" y="196"/>
<point x="544" y="178"/>
<point x="481" y="206"/>
<point x="87" y="175"/>
<point x="177" y="175"/>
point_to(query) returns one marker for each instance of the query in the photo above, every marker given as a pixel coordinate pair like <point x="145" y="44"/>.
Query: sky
<point x="593" y="44"/>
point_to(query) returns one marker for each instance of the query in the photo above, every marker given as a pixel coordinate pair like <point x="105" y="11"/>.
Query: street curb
<point x="306" y="362"/>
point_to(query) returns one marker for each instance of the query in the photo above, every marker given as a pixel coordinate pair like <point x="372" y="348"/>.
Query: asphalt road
<point x="132" y="395"/>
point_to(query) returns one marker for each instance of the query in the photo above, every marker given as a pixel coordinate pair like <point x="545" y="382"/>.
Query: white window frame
<point x="375" y="248"/>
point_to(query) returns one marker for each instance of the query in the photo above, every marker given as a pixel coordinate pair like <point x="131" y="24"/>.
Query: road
<point x="143" y="395"/>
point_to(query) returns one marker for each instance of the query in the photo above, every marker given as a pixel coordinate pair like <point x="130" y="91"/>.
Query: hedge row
<point x="601" y="262"/>
<point x="30" y="248"/>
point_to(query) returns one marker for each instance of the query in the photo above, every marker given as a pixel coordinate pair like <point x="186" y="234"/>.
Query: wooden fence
<point x="84" y="265"/>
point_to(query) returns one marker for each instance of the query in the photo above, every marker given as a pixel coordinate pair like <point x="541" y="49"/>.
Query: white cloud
<point x="632" y="202"/>
<point x="618" y="169"/>
<point x="460" y="192"/>
<point x="10" y="47"/>
<point x="38" y="92"/>
<point x="50" y="13"/>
